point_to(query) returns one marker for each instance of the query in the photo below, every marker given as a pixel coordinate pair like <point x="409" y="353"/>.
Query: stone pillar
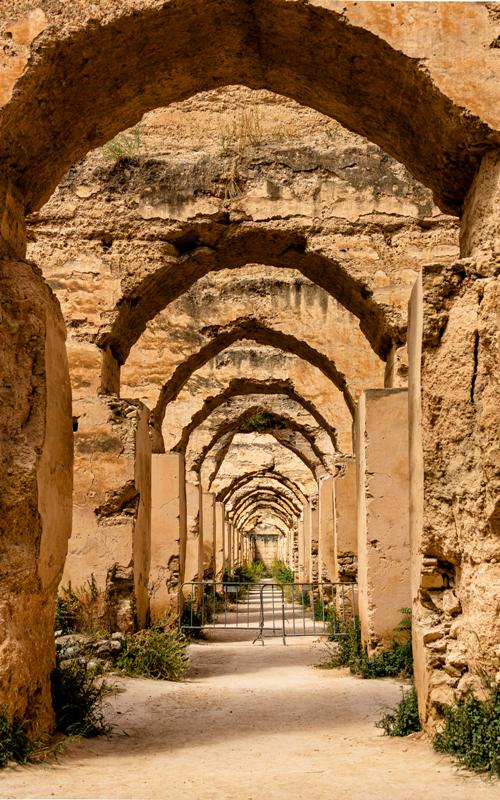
<point x="220" y="554"/>
<point x="228" y="549"/>
<point x="36" y="471"/>
<point x="208" y="541"/>
<point x="326" y="557"/>
<point x="168" y="530"/>
<point x="314" y="538"/>
<point x="383" y="512"/>
<point x="193" y="533"/>
<point x="346" y="541"/>
<point x="300" y="549"/>
<point x="307" y="542"/>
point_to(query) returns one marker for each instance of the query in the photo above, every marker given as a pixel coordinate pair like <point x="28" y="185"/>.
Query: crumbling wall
<point x="36" y="480"/>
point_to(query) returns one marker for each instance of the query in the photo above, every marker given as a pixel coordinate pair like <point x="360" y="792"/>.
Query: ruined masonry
<point x="249" y="311"/>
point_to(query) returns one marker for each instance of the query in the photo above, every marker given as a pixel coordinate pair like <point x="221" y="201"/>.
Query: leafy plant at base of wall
<point x="471" y="733"/>
<point x="14" y="744"/>
<point x="394" y="661"/>
<point x="77" y="698"/>
<point x="192" y="618"/>
<point x="254" y="571"/>
<point x="84" y="609"/>
<point x="155" y="653"/>
<point x="403" y="719"/>
<point x="281" y="573"/>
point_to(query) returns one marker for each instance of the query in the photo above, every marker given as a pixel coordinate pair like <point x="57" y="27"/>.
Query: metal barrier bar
<point x="231" y="605"/>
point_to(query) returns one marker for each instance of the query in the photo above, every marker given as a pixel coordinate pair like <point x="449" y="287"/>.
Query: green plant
<point x="155" y="653"/>
<point x="261" y="421"/>
<point x="14" y="743"/>
<point x="77" y="698"/>
<point x="471" y="732"/>
<point x="403" y="719"/>
<point x="125" y="145"/>
<point x="84" y="609"/>
<point x="394" y="661"/>
<point x="281" y="573"/>
<point x="66" y="612"/>
<point x="254" y="571"/>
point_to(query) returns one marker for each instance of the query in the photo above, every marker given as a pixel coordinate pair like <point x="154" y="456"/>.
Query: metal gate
<point x="291" y="609"/>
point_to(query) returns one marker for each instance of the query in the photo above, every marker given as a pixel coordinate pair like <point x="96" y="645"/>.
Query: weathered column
<point x="307" y="542"/>
<point x="326" y="558"/>
<point x="220" y="555"/>
<point x="300" y="549"/>
<point x="228" y="548"/>
<point x="383" y="512"/>
<point x="454" y="422"/>
<point x="314" y="538"/>
<point x="346" y="541"/>
<point x="207" y="566"/>
<point x="168" y="530"/>
<point x="194" y="540"/>
<point x="36" y="471"/>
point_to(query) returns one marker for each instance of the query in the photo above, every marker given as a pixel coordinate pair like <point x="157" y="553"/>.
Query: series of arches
<point x="56" y="107"/>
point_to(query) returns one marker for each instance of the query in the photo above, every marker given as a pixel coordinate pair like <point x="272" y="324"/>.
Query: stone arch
<point x="233" y="245"/>
<point x="255" y="331"/>
<point x="251" y="500"/>
<point x="266" y="506"/>
<point x="247" y="386"/>
<point x="308" y="52"/>
<point x="234" y="425"/>
<point x="225" y="493"/>
<point x="301" y="449"/>
<point x="261" y="488"/>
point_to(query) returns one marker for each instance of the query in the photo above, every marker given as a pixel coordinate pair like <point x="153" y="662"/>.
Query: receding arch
<point x="266" y="483"/>
<point x="261" y="488"/>
<point x="301" y="50"/>
<point x="241" y="386"/>
<point x="235" y="425"/>
<point x="271" y="508"/>
<point x="234" y="245"/>
<point x="225" y="493"/>
<point x="252" y="330"/>
<point x="251" y="501"/>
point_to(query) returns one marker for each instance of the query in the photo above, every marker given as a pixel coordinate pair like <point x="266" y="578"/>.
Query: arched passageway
<point x="338" y="63"/>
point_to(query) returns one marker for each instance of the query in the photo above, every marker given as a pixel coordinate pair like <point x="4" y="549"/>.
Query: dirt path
<point x="251" y="722"/>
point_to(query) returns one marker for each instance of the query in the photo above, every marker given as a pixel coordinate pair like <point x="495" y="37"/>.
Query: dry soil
<point x="250" y="722"/>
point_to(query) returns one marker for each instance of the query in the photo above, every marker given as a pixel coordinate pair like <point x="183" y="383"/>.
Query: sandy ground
<point x="251" y="722"/>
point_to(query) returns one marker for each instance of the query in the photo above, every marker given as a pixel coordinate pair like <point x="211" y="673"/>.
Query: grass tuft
<point x="155" y="653"/>
<point x="14" y="743"/>
<point x="77" y="698"/>
<point x="403" y="719"/>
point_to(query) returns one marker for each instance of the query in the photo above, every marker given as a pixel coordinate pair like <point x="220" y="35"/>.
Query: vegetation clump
<point x="281" y="573"/>
<point x="77" y="699"/>
<point x="155" y="653"/>
<point x="471" y="732"/>
<point x="14" y="743"/>
<point x="403" y="719"/>
<point x="394" y="661"/>
<point x="83" y="609"/>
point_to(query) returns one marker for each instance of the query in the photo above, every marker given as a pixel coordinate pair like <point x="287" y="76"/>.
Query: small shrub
<point x="394" y="661"/>
<point x="14" y="744"/>
<point x="84" y="609"/>
<point x="77" y="698"/>
<point x="281" y="573"/>
<point x="155" y="653"/>
<point x="254" y="571"/>
<point x="404" y="719"/>
<point x="471" y="733"/>
<point x="66" y="615"/>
